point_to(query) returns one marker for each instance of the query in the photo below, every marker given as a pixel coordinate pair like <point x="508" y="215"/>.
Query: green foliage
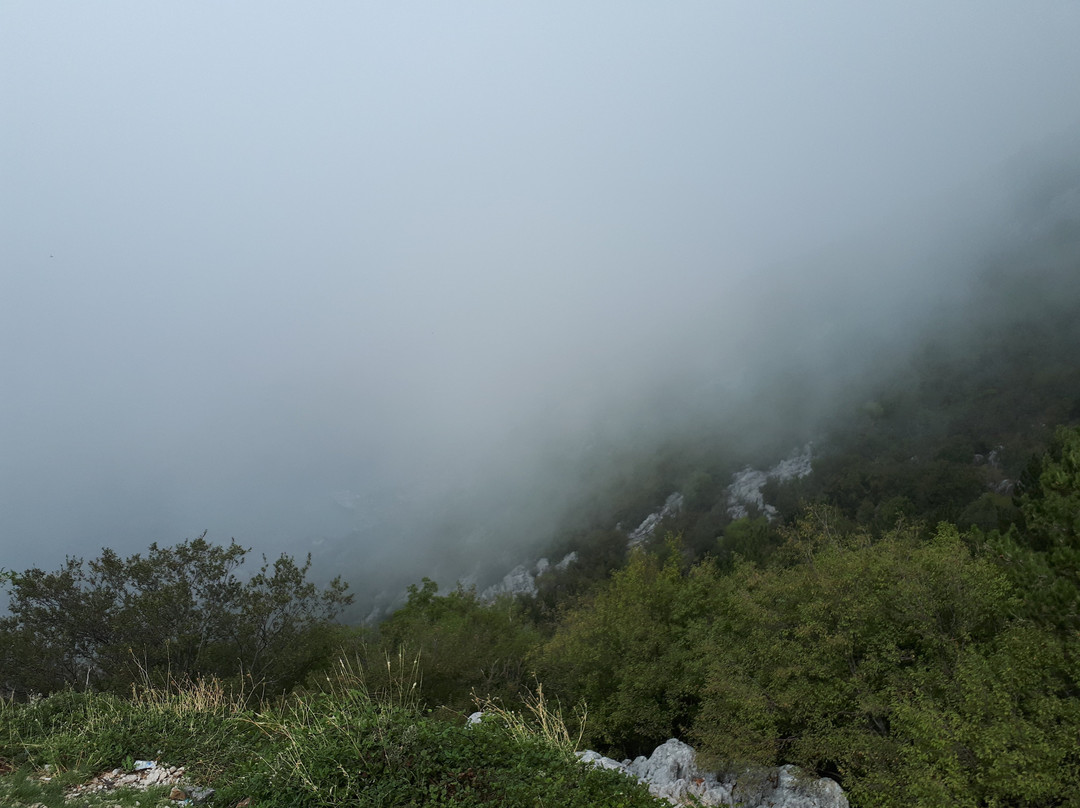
<point x="892" y="665"/>
<point x="339" y="748"/>
<point x="1000" y="730"/>
<point x="465" y="647"/>
<point x="85" y="732"/>
<point x="177" y="612"/>
<point x="1051" y="506"/>
<point x="21" y="788"/>
<point x="285" y="623"/>
<point x="1042" y="556"/>
<point x="345" y="750"/>
<point x="749" y="538"/>
<point x="629" y="652"/>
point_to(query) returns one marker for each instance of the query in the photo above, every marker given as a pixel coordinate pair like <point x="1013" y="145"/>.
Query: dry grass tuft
<point x="541" y="718"/>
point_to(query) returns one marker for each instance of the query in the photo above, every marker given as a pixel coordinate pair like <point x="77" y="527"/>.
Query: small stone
<point x="177" y="794"/>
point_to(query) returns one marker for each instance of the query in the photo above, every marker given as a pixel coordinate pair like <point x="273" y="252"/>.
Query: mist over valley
<point x="418" y="293"/>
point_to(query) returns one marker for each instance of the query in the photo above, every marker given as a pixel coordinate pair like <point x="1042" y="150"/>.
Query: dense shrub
<point x="176" y="613"/>
<point x="463" y="646"/>
<point x="631" y="652"/>
<point x="813" y="664"/>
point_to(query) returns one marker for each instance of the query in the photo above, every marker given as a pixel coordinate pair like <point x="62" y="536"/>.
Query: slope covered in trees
<point x="907" y="622"/>
<point x="916" y="665"/>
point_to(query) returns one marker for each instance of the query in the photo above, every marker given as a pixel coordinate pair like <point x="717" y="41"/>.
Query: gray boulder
<point x="787" y="787"/>
<point x="601" y="762"/>
<point x="671" y="772"/>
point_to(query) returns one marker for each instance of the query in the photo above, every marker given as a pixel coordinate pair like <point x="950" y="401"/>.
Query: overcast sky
<point x="265" y="264"/>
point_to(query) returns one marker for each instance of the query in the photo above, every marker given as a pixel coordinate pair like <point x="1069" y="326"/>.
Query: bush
<point x="463" y="646"/>
<point x="177" y="613"/>
<point x="895" y="667"/>
<point x="630" y="652"/>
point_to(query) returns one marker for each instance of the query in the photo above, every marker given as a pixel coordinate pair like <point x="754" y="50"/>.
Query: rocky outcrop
<point x="145" y="774"/>
<point x="745" y="489"/>
<point x="672" y="506"/>
<point x="787" y="787"/>
<point x="671" y="772"/>
<point x="521" y="580"/>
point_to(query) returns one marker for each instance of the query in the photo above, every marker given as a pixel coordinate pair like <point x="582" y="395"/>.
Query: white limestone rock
<point x="521" y="580"/>
<point x="671" y="773"/>
<point x="746" y="485"/>
<point x="672" y="505"/>
<point x="567" y="560"/>
<point x="596" y="759"/>
<point x="787" y="787"/>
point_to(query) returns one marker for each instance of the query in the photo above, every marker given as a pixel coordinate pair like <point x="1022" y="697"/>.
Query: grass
<point x="341" y="745"/>
<point x="541" y="718"/>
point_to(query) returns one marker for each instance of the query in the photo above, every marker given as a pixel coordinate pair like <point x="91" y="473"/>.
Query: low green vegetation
<point x="463" y="646"/>
<point x="341" y="746"/>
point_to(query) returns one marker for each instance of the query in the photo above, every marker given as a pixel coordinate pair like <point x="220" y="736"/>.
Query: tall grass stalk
<point x="399" y="688"/>
<point x="541" y="718"/>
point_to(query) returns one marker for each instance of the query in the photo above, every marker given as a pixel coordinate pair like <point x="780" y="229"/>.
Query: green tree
<point x="179" y="612"/>
<point x="893" y="665"/>
<point x="631" y="652"/>
<point x="464" y="645"/>
<point x="284" y="624"/>
<point x="998" y="730"/>
<point x="1045" y="554"/>
<point x="751" y="538"/>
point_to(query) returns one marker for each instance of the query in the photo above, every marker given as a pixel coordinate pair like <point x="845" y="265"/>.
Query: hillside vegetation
<point x="342" y="745"/>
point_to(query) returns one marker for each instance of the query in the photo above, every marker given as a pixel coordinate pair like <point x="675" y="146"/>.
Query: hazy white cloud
<point x="254" y="256"/>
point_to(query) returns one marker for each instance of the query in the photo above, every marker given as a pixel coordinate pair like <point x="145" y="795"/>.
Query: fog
<point x="360" y="272"/>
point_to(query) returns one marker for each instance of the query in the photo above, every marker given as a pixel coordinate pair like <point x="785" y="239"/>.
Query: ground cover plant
<point x="339" y="745"/>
